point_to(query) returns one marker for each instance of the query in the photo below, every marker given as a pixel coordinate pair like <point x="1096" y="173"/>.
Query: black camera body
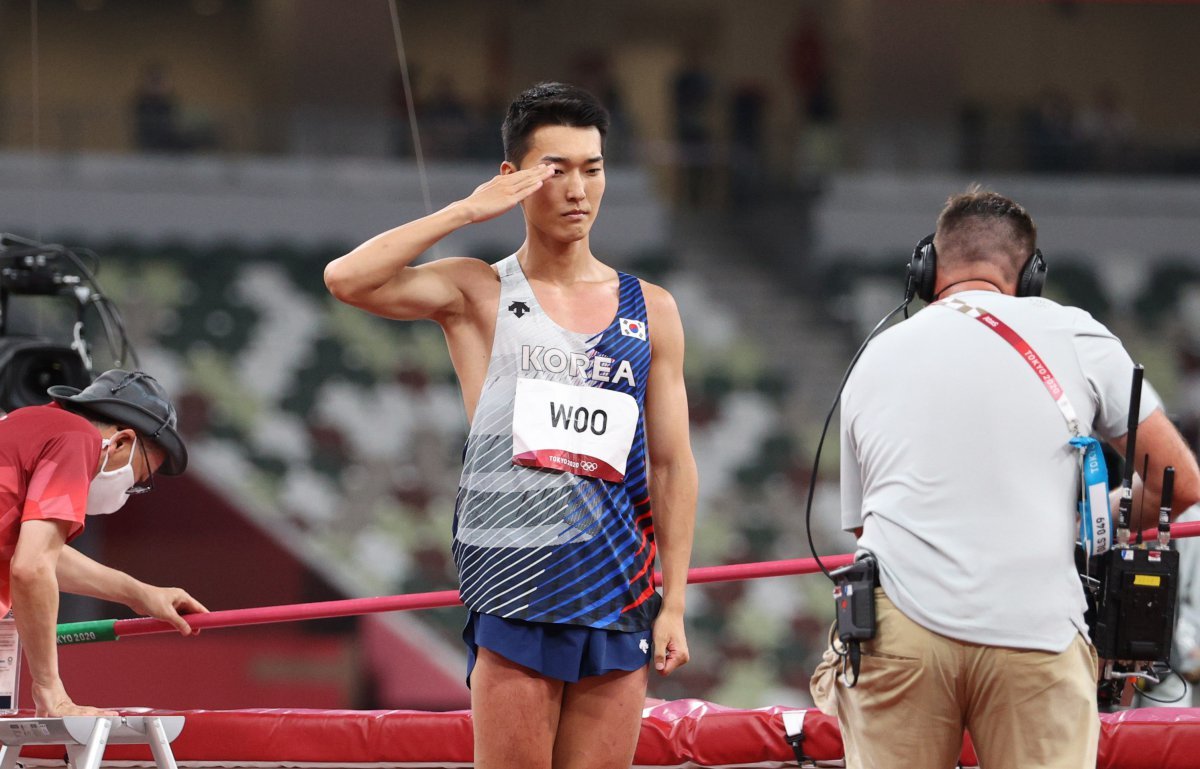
<point x="29" y="364"/>
<point x="33" y="274"/>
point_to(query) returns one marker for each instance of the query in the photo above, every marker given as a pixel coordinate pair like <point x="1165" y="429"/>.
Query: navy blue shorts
<point x="565" y="652"/>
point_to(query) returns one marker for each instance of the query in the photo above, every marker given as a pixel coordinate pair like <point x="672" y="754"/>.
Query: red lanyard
<point x="1027" y="353"/>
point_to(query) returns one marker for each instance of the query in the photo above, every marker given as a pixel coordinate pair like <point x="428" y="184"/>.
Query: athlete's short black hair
<point x="549" y="104"/>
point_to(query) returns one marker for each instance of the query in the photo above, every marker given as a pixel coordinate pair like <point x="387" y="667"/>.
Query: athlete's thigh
<point x="600" y="722"/>
<point x="515" y="714"/>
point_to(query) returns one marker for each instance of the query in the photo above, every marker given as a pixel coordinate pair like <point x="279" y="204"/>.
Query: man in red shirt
<point x="81" y="455"/>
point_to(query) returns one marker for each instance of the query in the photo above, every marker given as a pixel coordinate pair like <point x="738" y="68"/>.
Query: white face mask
<point x="107" y="492"/>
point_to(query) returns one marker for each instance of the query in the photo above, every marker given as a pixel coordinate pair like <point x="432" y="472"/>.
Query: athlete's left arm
<point x="672" y="473"/>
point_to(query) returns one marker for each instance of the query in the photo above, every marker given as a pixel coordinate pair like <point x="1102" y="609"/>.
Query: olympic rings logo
<point x="589" y="466"/>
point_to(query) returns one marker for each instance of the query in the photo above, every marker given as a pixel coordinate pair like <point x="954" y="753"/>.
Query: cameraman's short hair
<point x="981" y="225"/>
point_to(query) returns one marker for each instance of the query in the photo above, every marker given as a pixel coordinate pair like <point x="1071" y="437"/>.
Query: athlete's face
<point x="566" y="205"/>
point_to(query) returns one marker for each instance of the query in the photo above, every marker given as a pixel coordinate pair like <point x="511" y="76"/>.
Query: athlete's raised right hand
<point x="504" y="192"/>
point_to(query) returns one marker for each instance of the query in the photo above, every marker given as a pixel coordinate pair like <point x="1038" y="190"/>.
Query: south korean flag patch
<point x="633" y="328"/>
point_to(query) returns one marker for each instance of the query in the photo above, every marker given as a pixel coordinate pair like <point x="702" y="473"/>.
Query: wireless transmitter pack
<point x="854" y="598"/>
<point x="1135" y="606"/>
<point x="854" y="601"/>
<point x="1133" y="587"/>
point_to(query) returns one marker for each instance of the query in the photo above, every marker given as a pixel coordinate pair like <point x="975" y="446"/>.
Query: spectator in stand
<point x="449" y="120"/>
<point x="402" y="136"/>
<point x="1105" y="131"/>
<point x="692" y="91"/>
<point x="1050" y="139"/>
<point x="747" y="132"/>
<point x="808" y="70"/>
<point x="155" y="112"/>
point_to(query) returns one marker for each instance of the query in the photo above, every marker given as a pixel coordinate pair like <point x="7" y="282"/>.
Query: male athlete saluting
<point x="572" y="378"/>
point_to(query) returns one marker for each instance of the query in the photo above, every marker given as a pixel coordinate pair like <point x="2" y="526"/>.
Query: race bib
<point x="575" y="429"/>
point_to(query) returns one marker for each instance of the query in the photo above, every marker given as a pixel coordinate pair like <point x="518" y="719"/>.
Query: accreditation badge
<point x="1095" y="515"/>
<point x="574" y="429"/>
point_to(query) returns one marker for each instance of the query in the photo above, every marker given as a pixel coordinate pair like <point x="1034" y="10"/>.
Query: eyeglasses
<point x="148" y="484"/>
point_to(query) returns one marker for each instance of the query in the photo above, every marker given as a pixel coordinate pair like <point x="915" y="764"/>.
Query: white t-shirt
<point x="956" y="464"/>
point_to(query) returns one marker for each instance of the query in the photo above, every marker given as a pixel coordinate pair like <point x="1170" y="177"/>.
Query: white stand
<point x="86" y="736"/>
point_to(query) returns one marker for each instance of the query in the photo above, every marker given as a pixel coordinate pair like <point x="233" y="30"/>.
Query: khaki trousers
<point x="918" y="690"/>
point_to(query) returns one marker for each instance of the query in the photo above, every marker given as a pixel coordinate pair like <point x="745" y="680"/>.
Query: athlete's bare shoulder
<point x="464" y="271"/>
<point x="476" y="281"/>
<point x="659" y="302"/>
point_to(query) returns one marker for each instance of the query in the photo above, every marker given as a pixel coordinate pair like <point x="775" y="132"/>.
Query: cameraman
<point x="957" y="475"/>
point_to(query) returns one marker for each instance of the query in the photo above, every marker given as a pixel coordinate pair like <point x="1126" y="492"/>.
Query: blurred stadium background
<point x="772" y="163"/>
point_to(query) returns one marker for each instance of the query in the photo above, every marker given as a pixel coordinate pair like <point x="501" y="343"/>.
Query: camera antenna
<point x="1125" y="506"/>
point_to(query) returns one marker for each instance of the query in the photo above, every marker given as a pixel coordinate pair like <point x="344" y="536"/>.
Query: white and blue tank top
<point x="552" y="522"/>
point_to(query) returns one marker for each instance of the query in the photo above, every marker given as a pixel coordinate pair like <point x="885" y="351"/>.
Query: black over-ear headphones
<point x="922" y="272"/>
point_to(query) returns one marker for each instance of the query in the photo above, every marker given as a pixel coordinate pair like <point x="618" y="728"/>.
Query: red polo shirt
<point x="48" y="457"/>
